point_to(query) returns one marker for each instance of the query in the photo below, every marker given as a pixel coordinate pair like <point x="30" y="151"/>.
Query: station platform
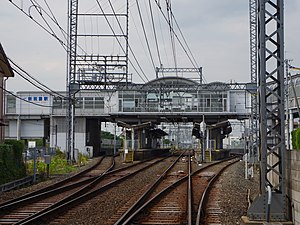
<point x="217" y="154"/>
<point x="246" y="221"/>
<point x="144" y="154"/>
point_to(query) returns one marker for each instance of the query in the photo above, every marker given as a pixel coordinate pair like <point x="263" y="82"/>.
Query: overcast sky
<point x="217" y="32"/>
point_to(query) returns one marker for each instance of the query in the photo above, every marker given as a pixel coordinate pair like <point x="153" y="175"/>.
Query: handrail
<point x="16" y="184"/>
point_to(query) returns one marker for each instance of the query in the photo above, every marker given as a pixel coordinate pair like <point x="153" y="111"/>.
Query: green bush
<point x="296" y="139"/>
<point x="58" y="165"/>
<point x="12" y="166"/>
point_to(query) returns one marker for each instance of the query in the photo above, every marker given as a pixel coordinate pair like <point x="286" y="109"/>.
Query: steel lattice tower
<point x="271" y="97"/>
<point x="253" y="74"/>
<point x="72" y="52"/>
<point x="88" y="69"/>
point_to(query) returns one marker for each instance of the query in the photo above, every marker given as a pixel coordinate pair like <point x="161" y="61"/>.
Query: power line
<point x="51" y="92"/>
<point x="145" y="35"/>
<point x="40" y="25"/>
<point x="46" y="106"/>
<point x="154" y="32"/>
<point x="134" y="56"/>
<point x="168" y="3"/>
<point x="195" y="64"/>
<point x="173" y="31"/>
<point x="120" y="43"/>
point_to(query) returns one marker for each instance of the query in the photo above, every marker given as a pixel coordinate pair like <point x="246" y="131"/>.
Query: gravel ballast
<point x="235" y="190"/>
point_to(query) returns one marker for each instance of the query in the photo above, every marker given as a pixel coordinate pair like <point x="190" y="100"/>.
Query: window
<point x="45" y="98"/>
<point x="40" y="98"/>
<point x="34" y="98"/>
<point x="57" y="103"/>
<point x="29" y="98"/>
<point x="99" y="103"/>
<point x="11" y="104"/>
<point x="88" y="102"/>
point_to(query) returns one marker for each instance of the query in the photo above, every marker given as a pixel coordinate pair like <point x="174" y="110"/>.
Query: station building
<point x="36" y="115"/>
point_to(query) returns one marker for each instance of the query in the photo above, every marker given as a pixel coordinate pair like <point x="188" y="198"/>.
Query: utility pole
<point x="71" y="71"/>
<point x="253" y="73"/>
<point x="271" y="204"/>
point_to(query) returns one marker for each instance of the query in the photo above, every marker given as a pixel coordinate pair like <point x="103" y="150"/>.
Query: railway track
<point x="178" y="196"/>
<point x="209" y="210"/>
<point x="102" y="183"/>
<point x="179" y="168"/>
<point x="19" y="209"/>
<point x="180" y="202"/>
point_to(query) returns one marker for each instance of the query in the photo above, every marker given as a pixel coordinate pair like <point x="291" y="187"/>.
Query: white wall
<point x="29" y="129"/>
<point x="25" y="108"/>
<point x="239" y="99"/>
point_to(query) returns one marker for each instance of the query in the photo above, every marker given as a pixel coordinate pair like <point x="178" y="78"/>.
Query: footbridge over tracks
<point x="163" y="100"/>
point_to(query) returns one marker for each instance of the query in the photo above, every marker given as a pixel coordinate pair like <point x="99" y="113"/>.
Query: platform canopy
<point x="5" y="68"/>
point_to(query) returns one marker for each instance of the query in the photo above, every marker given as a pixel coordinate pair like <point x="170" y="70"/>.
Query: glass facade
<point x="173" y="101"/>
<point x="80" y="103"/>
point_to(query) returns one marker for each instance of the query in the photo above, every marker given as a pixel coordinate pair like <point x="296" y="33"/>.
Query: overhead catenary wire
<point x="172" y="17"/>
<point x="62" y="43"/>
<point x="154" y="32"/>
<point x="176" y="36"/>
<point x="194" y="62"/>
<point x="40" y="12"/>
<point x="129" y="46"/>
<point x="169" y="17"/>
<point x="120" y="43"/>
<point x="50" y="91"/>
<point x="56" y="21"/>
<point x="145" y="34"/>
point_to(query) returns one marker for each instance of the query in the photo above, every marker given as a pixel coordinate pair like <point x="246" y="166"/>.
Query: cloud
<point x="217" y="32"/>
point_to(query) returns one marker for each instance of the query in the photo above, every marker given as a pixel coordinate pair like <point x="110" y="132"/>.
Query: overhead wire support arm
<point x="180" y="70"/>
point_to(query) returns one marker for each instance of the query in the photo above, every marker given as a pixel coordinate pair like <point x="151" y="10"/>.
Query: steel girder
<point x="271" y="97"/>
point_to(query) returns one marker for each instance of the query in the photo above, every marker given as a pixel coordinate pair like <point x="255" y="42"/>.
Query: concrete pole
<point x="125" y="139"/>
<point x="18" y="128"/>
<point x="132" y="139"/>
<point x="115" y="138"/>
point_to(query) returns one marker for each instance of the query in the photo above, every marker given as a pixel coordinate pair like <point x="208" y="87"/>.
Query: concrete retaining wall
<point x="293" y="180"/>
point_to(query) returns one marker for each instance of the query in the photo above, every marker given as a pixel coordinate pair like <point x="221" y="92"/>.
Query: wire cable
<point x="51" y="92"/>
<point x="154" y="32"/>
<point x="120" y="42"/>
<point x="168" y="3"/>
<point x="9" y="92"/>
<point x="145" y="35"/>
<point x="134" y="56"/>
<point x="179" y="41"/>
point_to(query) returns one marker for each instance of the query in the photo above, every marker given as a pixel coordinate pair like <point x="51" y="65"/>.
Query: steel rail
<point x="143" y="197"/>
<point x="206" y="192"/>
<point x="8" y="209"/>
<point x="167" y="190"/>
<point x="53" y="186"/>
<point x="84" y="194"/>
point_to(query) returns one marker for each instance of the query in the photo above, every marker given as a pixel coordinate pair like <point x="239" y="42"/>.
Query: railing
<point x="16" y="184"/>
